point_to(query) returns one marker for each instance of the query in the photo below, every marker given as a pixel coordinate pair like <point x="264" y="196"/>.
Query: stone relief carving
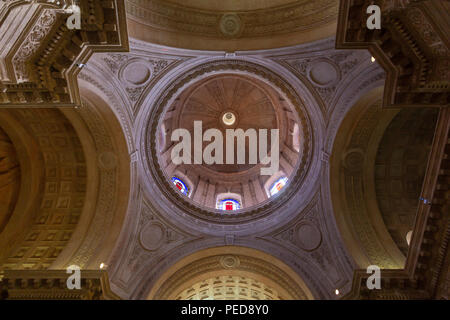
<point x="136" y="72"/>
<point x="230" y="262"/>
<point x="325" y="72"/>
<point x="306" y="233"/>
<point x="119" y="109"/>
<point x="251" y="265"/>
<point x="108" y="181"/>
<point x="46" y="55"/>
<point x="299" y="15"/>
<point x="154" y="237"/>
<point x="31" y="44"/>
<point x="230" y="25"/>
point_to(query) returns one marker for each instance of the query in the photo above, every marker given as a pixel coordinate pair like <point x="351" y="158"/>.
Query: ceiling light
<point x="229" y="118"/>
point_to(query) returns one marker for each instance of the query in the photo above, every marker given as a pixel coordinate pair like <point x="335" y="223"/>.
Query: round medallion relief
<point x="230" y="25"/>
<point x="136" y="72"/>
<point x="152" y="236"/>
<point x="354" y="160"/>
<point x="324" y="73"/>
<point x="308" y="236"/>
<point x="229" y="262"/>
<point x="107" y="160"/>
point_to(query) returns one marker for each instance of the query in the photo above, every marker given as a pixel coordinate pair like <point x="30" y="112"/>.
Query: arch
<point x="235" y="200"/>
<point x="218" y="36"/>
<point x="231" y="261"/>
<point x="352" y="187"/>
<point x="110" y="170"/>
<point x="53" y="187"/>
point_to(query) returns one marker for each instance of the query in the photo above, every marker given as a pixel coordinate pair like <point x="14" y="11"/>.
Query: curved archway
<point x="376" y="173"/>
<point x="53" y="187"/>
<point x="352" y="184"/>
<point x="249" y="267"/>
<point x="108" y="191"/>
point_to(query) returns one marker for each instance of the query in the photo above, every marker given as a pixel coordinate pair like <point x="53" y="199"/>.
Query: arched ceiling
<point x="232" y="273"/>
<point x="231" y="5"/>
<point x="53" y="188"/>
<point x="9" y="178"/>
<point x="231" y="25"/>
<point x="400" y="166"/>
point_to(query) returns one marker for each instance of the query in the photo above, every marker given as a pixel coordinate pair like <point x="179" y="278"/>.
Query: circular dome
<point x="227" y="143"/>
<point x="194" y="162"/>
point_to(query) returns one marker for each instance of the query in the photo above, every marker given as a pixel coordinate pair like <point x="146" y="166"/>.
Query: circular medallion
<point x="229" y="262"/>
<point x="323" y="73"/>
<point x="230" y="25"/>
<point x="107" y="160"/>
<point x="152" y="236"/>
<point x="308" y="236"/>
<point x="136" y="72"/>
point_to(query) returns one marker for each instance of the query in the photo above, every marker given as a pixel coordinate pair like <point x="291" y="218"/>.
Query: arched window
<point x="181" y="186"/>
<point x="228" y="205"/>
<point x="278" y="185"/>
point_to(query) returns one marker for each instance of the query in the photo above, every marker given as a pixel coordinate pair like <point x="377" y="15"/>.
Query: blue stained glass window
<point x="228" y="205"/>
<point x="180" y="186"/>
<point x="278" y="185"/>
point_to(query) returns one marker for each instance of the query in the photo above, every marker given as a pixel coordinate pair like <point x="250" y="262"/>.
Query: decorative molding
<point x="301" y="15"/>
<point x="51" y="285"/>
<point x="411" y="46"/>
<point x="48" y="61"/>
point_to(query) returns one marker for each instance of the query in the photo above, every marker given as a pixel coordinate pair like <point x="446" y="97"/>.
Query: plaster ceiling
<point x="232" y="5"/>
<point x="231" y="25"/>
<point x="9" y="178"/>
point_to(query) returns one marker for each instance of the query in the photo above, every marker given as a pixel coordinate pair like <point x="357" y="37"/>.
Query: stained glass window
<point x="181" y="186"/>
<point x="228" y="205"/>
<point x="278" y="185"/>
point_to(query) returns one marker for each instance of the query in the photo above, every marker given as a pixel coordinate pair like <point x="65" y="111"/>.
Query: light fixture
<point x="337" y="292"/>
<point x="372" y="59"/>
<point x="229" y="118"/>
<point x="102" y="265"/>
